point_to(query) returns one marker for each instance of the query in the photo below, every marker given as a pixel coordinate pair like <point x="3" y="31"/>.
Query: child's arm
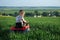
<point x="24" y="20"/>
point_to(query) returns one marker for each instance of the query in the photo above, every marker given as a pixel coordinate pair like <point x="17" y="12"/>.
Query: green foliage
<point x="44" y="28"/>
<point x="30" y="12"/>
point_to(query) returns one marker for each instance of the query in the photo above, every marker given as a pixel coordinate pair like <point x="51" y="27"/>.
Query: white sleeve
<point x="23" y="19"/>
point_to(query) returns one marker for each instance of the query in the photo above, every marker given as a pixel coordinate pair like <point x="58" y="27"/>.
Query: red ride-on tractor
<point x="19" y="28"/>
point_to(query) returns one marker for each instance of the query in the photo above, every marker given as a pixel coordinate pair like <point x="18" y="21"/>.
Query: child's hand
<point x="27" y="22"/>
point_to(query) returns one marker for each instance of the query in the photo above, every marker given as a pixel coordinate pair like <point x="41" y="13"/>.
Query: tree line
<point x="50" y="14"/>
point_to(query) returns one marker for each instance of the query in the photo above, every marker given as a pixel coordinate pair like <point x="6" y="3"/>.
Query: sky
<point x="30" y="3"/>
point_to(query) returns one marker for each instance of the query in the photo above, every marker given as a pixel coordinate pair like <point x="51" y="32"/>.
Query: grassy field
<point x="44" y="28"/>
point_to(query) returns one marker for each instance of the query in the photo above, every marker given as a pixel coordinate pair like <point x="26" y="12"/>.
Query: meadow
<point x="44" y="28"/>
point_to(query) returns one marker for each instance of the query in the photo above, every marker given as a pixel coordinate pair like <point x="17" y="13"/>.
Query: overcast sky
<point x="29" y="2"/>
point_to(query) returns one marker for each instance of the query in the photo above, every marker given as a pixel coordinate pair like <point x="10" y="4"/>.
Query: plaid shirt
<point x="19" y="19"/>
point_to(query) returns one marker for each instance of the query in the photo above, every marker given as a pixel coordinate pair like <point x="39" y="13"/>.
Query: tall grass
<point x="45" y="28"/>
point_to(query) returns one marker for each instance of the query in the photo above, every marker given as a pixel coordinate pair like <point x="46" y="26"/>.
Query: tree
<point x="56" y="13"/>
<point x="45" y="14"/>
<point x="10" y="14"/>
<point x="15" y="14"/>
<point x="29" y="14"/>
<point x="36" y="13"/>
<point x="3" y="14"/>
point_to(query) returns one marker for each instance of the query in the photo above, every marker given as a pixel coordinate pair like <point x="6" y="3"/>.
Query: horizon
<point x="29" y="6"/>
<point x="29" y="3"/>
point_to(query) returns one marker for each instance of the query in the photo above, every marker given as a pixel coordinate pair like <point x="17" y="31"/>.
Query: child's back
<point x="19" y="19"/>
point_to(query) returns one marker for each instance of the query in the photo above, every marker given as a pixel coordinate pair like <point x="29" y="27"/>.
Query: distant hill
<point x="28" y="7"/>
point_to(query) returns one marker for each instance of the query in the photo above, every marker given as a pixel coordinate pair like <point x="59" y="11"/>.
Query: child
<point x="20" y="21"/>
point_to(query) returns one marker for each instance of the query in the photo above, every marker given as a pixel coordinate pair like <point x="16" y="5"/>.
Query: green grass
<point x="44" y="28"/>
